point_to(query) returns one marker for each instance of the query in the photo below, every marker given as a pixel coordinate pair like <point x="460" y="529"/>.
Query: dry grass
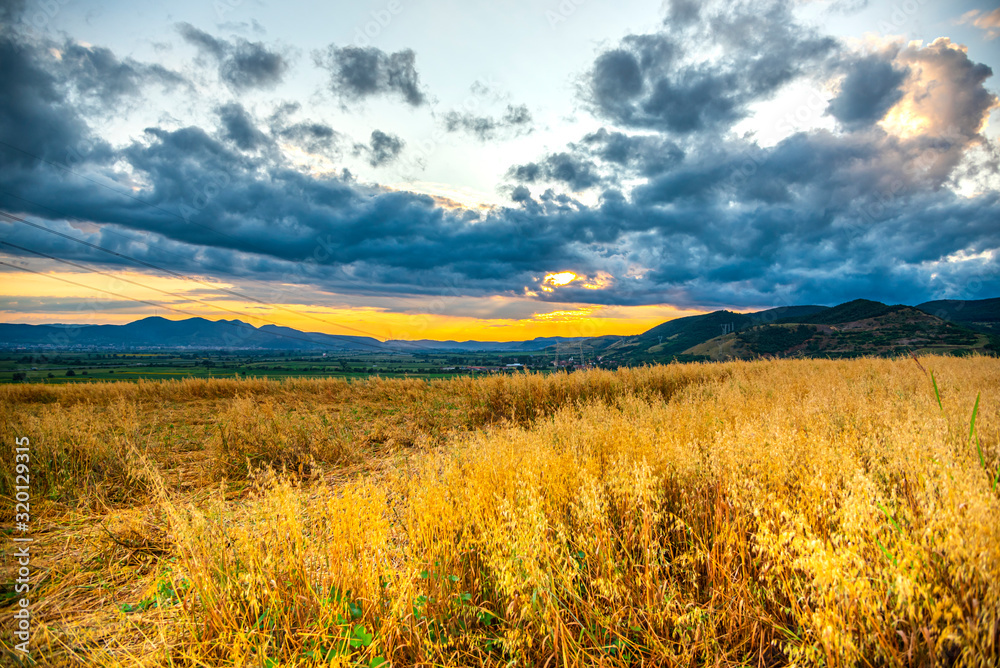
<point x="812" y="513"/>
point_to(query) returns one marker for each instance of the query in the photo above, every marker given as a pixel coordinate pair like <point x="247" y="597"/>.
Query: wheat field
<point x="766" y="513"/>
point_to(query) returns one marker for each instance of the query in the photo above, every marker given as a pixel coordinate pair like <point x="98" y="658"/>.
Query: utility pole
<point x="557" y="355"/>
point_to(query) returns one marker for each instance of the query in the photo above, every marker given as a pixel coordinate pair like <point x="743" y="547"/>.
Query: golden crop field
<point x="767" y="513"/>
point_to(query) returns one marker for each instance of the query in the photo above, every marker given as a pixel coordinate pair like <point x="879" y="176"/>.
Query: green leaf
<point x="886" y="513"/>
<point x="972" y="422"/>
<point x="936" y="393"/>
<point x="972" y="429"/>
<point x="361" y="636"/>
<point x="376" y="662"/>
<point x="888" y="555"/>
<point x="141" y="606"/>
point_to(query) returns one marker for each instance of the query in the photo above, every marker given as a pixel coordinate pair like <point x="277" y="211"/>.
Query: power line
<point x="105" y="230"/>
<point x="176" y="274"/>
<point x="166" y="292"/>
<point x="179" y="217"/>
<point x="164" y="306"/>
<point x="175" y="215"/>
<point x="117" y="191"/>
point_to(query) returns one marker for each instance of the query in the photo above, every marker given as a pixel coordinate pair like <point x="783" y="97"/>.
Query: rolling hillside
<point x="856" y="328"/>
<point x="981" y="314"/>
<point x="896" y="331"/>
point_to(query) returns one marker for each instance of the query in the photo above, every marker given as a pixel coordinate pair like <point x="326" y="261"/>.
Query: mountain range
<point x="859" y="327"/>
<point x="198" y="333"/>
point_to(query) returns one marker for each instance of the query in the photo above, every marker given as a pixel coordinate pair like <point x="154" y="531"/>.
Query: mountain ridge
<point x="859" y="326"/>
<point x="156" y="332"/>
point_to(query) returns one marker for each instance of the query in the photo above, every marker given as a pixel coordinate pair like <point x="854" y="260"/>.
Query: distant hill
<point x="157" y="332"/>
<point x="980" y="314"/>
<point x="893" y="331"/>
<point x="671" y="339"/>
<point x="199" y="333"/>
<point x="859" y="327"/>
<point x="859" y="309"/>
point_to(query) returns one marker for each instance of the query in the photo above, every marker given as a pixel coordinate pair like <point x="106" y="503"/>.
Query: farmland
<point x="764" y="513"/>
<point x="57" y="367"/>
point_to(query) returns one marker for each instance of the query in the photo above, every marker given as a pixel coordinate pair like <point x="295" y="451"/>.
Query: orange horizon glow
<point x="415" y="321"/>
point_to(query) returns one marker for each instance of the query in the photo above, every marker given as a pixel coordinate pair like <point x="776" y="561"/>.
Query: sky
<point x="411" y="169"/>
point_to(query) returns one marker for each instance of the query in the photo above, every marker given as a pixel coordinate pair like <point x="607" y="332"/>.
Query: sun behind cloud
<point x="558" y="280"/>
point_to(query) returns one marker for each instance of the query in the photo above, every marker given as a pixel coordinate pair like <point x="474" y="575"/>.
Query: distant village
<point x="566" y="365"/>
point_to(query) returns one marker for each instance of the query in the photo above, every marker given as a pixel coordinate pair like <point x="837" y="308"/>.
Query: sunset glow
<point x="538" y="171"/>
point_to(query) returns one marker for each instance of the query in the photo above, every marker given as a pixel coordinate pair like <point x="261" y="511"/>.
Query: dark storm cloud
<point x="359" y="72"/>
<point x="683" y="12"/>
<point x="240" y="128"/>
<point x="252" y="65"/>
<point x="35" y="114"/>
<point x="515" y="121"/>
<point x="11" y="10"/>
<point x="242" y="64"/>
<point x="872" y="86"/>
<point x="576" y="172"/>
<point x="311" y="136"/>
<point x="819" y="217"/>
<point x="382" y="148"/>
<point x="97" y="73"/>
<point x="216" y="48"/>
<point x="715" y="220"/>
<point x="658" y="81"/>
<point x="222" y="200"/>
<point x="633" y="155"/>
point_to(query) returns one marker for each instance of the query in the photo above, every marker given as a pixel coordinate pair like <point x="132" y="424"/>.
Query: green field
<point x="75" y="367"/>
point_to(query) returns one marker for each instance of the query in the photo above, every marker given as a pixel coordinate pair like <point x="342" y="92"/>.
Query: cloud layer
<point x="666" y="203"/>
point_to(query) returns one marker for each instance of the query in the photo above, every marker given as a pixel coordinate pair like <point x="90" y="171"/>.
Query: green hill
<point x="855" y="328"/>
<point x="896" y="330"/>
<point x="859" y="309"/>
<point x="979" y="314"/>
